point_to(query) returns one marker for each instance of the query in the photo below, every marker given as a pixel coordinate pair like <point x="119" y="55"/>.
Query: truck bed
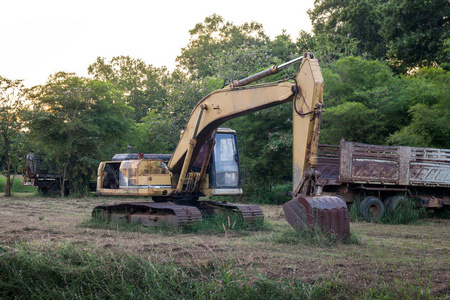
<point x="352" y="162"/>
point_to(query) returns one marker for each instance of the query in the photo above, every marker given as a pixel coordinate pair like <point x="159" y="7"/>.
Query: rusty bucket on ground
<point x="329" y="214"/>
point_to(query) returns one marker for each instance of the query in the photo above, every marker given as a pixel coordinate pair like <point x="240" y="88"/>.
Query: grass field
<point x="51" y="248"/>
<point x="17" y="188"/>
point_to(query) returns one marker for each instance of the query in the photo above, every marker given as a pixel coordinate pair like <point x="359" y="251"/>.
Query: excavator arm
<point x="239" y="99"/>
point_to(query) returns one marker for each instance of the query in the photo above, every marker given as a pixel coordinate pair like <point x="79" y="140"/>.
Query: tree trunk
<point x="8" y="182"/>
<point x="8" y="169"/>
<point x="62" y="181"/>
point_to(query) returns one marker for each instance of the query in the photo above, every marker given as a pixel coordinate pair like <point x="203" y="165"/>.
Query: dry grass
<point x="399" y="259"/>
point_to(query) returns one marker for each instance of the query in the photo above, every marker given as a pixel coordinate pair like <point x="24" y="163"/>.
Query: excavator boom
<point x="237" y="100"/>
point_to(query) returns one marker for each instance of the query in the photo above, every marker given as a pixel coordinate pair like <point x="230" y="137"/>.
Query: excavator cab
<point x="225" y="172"/>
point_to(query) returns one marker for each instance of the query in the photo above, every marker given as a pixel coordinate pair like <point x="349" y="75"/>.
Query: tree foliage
<point x="416" y="30"/>
<point x="162" y="127"/>
<point x="214" y="38"/>
<point x="328" y="48"/>
<point x="366" y="102"/>
<point x="429" y="126"/>
<point x="75" y="123"/>
<point x="410" y="33"/>
<point x="142" y="84"/>
<point x="360" y="19"/>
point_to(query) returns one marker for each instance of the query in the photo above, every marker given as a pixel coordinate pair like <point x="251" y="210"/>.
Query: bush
<point x="444" y="213"/>
<point x="277" y="194"/>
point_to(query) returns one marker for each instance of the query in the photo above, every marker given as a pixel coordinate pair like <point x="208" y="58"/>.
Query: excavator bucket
<point x="329" y="214"/>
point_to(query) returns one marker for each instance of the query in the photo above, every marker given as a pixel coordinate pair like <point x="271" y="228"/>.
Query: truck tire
<point x="387" y="201"/>
<point x="397" y="202"/>
<point x="43" y="190"/>
<point x="55" y="189"/>
<point x="372" y="209"/>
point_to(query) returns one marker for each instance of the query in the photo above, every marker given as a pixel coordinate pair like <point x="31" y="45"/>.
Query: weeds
<point x="68" y="271"/>
<point x="353" y="211"/>
<point x="405" y="214"/>
<point x="223" y="223"/>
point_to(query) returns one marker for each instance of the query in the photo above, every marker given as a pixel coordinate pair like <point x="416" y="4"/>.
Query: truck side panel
<point x="430" y="167"/>
<point x="328" y="164"/>
<point x="390" y="165"/>
<point x="371" y="163"/>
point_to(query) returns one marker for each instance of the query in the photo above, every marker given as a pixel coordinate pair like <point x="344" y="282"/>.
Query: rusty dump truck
<point x="384" y="176"/>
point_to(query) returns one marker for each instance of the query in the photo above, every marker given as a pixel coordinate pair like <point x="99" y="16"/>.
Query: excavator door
<point x="225" y="171"/>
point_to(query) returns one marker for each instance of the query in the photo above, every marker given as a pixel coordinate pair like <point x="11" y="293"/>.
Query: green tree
<point x="429" y="126"/>
<point x="159" y="131"/>
<point x="352" y="121"/>
<point x="361" y="19"/>
<point x="416" y="32"/>
<point x="282" y="48"/>
<point x="76" y="122"/>
<point x="386" y="102"/>
<point x="214" y="38"/>
<point x="267" y="139"/>
<point x="11" y="109"/>
<point x="142" y="84"/>
<point x="384" y="97"/>
<point x="328" y="48"/>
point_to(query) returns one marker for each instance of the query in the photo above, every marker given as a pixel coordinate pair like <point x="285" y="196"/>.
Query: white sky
<point x="41" y="37"/>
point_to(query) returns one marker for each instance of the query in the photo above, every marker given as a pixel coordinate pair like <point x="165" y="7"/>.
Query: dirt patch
<point x="417" y="255"/>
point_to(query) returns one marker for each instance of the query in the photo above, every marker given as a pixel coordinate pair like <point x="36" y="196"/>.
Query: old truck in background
<point x="384" y="176"/>
<point x="44" y="177"/>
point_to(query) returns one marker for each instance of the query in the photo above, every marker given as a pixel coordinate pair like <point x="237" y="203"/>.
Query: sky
<point x="40" y="38"/>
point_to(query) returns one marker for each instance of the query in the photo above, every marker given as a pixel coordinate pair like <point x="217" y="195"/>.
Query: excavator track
<point x="157" y="214"/>
<point x="149" y="213"/>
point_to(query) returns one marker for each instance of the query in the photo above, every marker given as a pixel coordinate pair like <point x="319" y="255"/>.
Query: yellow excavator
<point x="206" y="163"/>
